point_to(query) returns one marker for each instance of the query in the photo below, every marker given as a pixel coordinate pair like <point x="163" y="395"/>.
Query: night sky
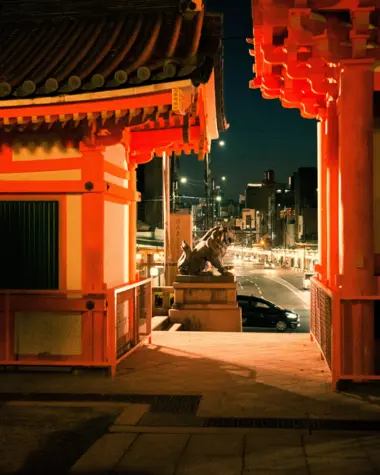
<point x="262" y="133"/>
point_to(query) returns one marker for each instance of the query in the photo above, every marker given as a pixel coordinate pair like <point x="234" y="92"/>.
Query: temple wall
<point x="44" y="158"/>
<point x="116" y="243"/>
<point x="55" y="333"/>
<point x="115" y="155"/>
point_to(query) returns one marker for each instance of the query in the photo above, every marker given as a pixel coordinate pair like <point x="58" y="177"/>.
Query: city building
<point x="279" y="201"/>
<point x="249" y="219"/>
<point x="285" y="214"/>
<point x="231" y="208"/>
<point x="257" y="196"/>
<point x="305" y="183"/>
<point x="198" y="212"/>
<point x="241" y="203"/>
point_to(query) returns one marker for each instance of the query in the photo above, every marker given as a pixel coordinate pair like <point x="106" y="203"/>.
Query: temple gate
<point x="322" y="58"/>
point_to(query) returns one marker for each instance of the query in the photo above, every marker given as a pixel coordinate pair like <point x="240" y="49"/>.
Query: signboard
<point x="181" y="226"/>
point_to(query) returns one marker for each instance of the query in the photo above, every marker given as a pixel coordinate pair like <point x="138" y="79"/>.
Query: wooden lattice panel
<point x="124" y="322"/>
<point x="321" y="319"/>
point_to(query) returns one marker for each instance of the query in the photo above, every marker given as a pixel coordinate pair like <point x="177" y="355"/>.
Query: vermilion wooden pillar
<point x="132" y="218"/>
<point x="322" y="199"/>
<point x="356" y="262"/>
<point x="93" y="220"/>
<point x="332" y="192"/>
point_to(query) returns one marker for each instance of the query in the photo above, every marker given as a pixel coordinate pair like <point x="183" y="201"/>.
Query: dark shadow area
<point x="60" y="450"/>
<point x="368" y="392"/>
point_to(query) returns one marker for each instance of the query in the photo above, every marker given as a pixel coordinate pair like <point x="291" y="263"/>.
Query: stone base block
<point x="207" y="320"/>
<point x="203" y="303"/>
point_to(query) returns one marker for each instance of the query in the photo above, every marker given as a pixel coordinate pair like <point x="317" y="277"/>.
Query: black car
<point x="257" y="312"/>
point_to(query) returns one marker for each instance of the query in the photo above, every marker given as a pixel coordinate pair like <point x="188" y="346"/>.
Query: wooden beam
<point x="56" y="110"/>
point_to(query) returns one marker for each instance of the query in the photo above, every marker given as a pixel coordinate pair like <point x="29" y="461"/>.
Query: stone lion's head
<point x="220" y="236"/>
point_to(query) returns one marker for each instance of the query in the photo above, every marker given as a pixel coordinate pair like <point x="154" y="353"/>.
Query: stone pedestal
<point x="206" y="303"/>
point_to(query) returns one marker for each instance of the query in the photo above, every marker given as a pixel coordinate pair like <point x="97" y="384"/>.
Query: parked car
<point x="257" y="312"/>
<point x="306" y="280"/>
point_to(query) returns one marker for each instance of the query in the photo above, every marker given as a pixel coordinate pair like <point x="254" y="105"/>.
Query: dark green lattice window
<point x="29" y="249"/>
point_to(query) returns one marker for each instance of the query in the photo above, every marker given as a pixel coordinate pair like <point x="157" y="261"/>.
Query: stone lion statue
<point x="210" y="249"/>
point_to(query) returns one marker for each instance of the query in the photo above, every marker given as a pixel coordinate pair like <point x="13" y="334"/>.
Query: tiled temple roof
<point x="70" y="55"/>
<point x="73" y="49"/>
<point x="63" y="47"/>
<point x="24" y="9"/>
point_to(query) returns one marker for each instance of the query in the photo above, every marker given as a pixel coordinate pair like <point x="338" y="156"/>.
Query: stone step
<point x="160" y="323"/>
<point x="175" y="327"/>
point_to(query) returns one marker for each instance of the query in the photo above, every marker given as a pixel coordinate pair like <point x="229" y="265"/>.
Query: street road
<point x="284" y="288"/>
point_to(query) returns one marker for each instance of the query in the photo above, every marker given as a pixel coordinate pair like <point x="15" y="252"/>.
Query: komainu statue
<point x="210" y="249"/>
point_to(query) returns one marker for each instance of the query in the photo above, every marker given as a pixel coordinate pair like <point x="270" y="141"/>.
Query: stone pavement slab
<point x="272" y="454"/>
<point x="220" y="454"/>
<point x="105" y="453"/>
<point x="153" y="454"/>
<point x="339" y="465"/>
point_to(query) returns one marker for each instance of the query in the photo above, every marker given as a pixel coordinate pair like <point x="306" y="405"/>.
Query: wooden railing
<point x="333" y="328"/>
<point x="58" y="329"/>
<point x="129" y="311"/>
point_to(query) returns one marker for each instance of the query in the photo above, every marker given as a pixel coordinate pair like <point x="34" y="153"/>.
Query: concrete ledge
<point x="204" y="285"/>
<point x="132" y="414"/>
<point x="159" y="323"/>
<point x="206" y="279"/>
<point x="175" y="327"/>
<point x="207" y="320"/>
<point x="118" y="429"/>
<point x="202" y="306"/>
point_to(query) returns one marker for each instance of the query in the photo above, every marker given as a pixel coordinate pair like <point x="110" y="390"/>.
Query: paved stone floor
<point x="235" y="376"/>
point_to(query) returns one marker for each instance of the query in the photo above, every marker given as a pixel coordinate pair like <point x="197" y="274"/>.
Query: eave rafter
<point x="298" y="51"/>
<point x="171" y="120"/>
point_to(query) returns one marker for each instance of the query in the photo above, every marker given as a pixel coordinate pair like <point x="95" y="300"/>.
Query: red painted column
<point x="92" y="220"/>
<point x="322" y="200"/>
<point x="356" y="260"/>
<point x="132" y="218"/>
<point x="332" y="191"/>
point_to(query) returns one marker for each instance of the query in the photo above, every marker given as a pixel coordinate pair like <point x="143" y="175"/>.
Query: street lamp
<point x="183" y="179"/>
<point x="223" y="178"/>
<point x="218" y="198"/>
<point x="222" y="143"/>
